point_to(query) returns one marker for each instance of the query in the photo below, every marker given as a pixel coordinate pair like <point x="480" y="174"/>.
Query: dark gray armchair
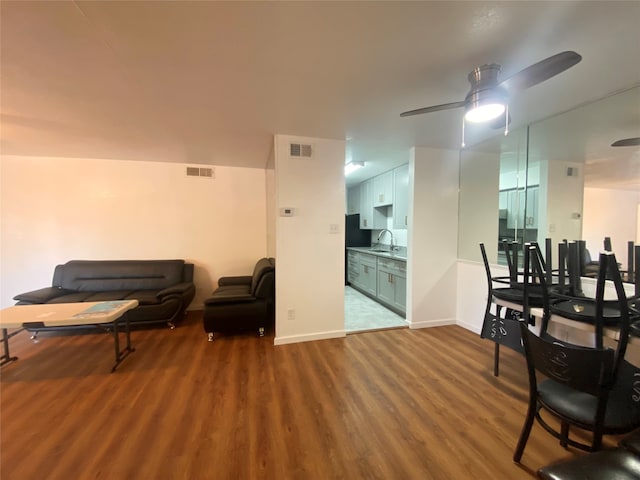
<point x="242" y="302"/>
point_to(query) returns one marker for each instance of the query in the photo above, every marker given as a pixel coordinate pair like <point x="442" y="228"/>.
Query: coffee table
<point x="107" y="314"/>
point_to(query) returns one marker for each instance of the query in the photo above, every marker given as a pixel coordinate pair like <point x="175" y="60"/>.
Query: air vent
<point x="200" y="172"/>
<point x="572" y="171"/>
<point x="300" y="150"/>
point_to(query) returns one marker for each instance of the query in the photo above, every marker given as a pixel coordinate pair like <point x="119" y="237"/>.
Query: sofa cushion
<point x="114" y="275"/>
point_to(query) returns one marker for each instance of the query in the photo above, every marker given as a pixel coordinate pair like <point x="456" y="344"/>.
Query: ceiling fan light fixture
<point x="484" y="113"/>
<point x="352" y="167"/>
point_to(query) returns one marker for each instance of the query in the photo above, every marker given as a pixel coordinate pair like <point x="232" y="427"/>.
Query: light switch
<point x="334" y="228"/>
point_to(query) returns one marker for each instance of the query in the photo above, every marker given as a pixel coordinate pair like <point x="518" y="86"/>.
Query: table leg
<point x="6" y="357"/>
<point x="121" y="354"/>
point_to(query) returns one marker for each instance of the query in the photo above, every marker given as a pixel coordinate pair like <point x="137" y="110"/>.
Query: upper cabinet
<point x="401" y="197"/>
<point x="353" y="200"/>
<point x="370" y="217"/>
<point x="372" y="198"/>
<point x="383" y="189"/>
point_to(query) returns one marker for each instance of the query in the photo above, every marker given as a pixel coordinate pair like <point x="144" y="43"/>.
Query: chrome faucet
<point x="391" y="245"/>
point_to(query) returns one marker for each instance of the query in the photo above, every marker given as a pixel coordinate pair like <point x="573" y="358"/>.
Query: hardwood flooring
<point x="394" y="404"/>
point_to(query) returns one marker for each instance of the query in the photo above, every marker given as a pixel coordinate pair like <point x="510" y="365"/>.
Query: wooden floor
<point x="395" y="404"/>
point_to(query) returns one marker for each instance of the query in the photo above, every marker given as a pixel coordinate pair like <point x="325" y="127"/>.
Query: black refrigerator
<point x="354" y="237"/>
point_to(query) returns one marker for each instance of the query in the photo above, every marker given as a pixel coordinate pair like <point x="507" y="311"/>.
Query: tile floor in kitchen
<point x="362" y="313"/>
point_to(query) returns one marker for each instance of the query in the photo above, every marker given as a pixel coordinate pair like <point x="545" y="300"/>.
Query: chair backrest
<point x="586" y="369"/>
<point x="608" y="268"/>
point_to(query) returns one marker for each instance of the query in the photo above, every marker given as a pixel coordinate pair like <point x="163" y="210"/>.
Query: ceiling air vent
<point x="300" y="150"/>
<point x="200" y="172"/>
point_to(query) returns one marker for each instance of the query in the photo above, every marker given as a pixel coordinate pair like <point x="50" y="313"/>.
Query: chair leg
<point x="496" y="360"/>
<point x="524" y="435"/>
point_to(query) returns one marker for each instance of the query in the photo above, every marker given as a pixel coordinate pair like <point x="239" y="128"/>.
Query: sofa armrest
<point x="240" y="280"/>
<point x="42" y="295"/>
<point x="229" y="298"/>
<point x="178" y="288"/>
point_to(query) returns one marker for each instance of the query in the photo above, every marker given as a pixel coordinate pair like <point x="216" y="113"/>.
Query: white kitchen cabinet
<point x="392" y="283"/>
<point x="515" y="208"/>
<point x="401" y="197"/>
<point x="353" y="267"/>
<point x="353" y="200"/>
<point x="370" y="217"/>
<point x="531" y="217"/>
<point x="367" y="278"/>
<point x="383" y="189"/>
<point x="515" y="205"/>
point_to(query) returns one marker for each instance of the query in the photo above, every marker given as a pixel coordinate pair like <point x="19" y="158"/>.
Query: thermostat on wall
<point x="286" y="212"/>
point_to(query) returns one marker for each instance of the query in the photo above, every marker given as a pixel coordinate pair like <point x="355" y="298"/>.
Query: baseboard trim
<point x="310" y="337"/>
<point x="431" y="323"/>
<point x="470" y="326"/>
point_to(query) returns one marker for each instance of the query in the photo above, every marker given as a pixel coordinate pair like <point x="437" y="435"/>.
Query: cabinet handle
<point x="365" y="222"/>
<point x="405" y="221"/>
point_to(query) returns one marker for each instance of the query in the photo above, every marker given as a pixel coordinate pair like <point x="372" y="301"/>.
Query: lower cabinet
<point x="367" y="273"/>
<point x="392" y="283"/>
<point x="383" y="279"/>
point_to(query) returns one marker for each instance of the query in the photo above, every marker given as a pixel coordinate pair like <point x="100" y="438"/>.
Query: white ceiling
<point x="212" y="82"/>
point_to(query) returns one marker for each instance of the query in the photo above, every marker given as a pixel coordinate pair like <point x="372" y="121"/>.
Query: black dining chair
<point x="567" y="298"/>
<point x="499" y="328"/>
<point x="588" y="387"/>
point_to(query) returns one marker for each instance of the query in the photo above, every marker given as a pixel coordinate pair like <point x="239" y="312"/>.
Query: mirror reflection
<point x="559" y="178"/>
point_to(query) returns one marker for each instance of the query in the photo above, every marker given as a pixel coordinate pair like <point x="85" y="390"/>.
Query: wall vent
<point x="572" y="171"/>
<point x="300" y="150"/>
<point x="200" y="172"/>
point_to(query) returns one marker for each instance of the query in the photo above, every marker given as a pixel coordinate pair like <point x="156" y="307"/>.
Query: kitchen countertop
<point x="384" y="254"/>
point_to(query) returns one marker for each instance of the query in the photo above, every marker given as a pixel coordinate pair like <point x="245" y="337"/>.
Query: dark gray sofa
<point x="164" y="288"/>
<point x="243" y="302"/>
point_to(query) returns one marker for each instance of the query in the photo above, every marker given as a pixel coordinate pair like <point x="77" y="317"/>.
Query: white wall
<point x="309" y="259"/>
<point x="271" y="205"/>
<point x="564" y="202"/>
<point x="610" y="213"/>
<point x="432" y="237"/>
<point x="57" y="209"/>
<point x="479" y="204"/>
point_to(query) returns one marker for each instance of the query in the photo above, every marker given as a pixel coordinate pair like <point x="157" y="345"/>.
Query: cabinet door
<point x="369" y="280"/>
<point x="515" y="214"/>
<point x="383" y="189"/>
<point x="353" y="273"/>
<point x="385" y="287"/>
<point x="368" y="273"/>
<point x="370" y="217"/>
<point x="353" y="200"/>
<point x="401" y="197"/>
<point x="366" y="205"/>
<point x="531" y="219"/>
<point x="400" y="293"/>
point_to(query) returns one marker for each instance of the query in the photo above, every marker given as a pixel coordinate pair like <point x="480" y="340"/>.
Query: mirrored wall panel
<point x="559" y="178"/>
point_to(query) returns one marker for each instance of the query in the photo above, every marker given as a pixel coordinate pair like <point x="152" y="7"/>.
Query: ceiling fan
<point x="627" y="142"/>
<point x="488" y="98"/>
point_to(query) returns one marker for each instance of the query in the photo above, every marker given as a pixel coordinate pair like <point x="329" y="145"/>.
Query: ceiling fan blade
<point x="541" y="71"/>
<point x="435" y="108"/>
<point x="627" y="142"/>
